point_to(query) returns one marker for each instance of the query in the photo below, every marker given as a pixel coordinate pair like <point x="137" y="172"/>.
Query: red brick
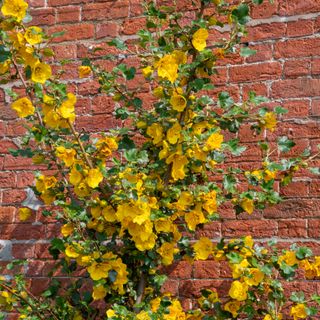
<point x="296" y="108"/>
<point x="7" y="214"/>
<point x="294" y="208"/>
<point x="22" y="251"/>
<point x="221" y="76"/>
<point x="266" y="31"/>
<point x="264" y="53"/>
<point x="59" y="3"/>
<point x="7" y="180"/>
<point x="68" y="14"/>
<point x="102" y="104"/>
<point x="5" y="145"/>
<point x="295" y="189"/>
<point x="67" y="51"/>
<point x="13" y="196"/>
<point x="73" y="32"/>
<point x="102" y="11"/>
<point x="41" y="251"/>
<point x="297" y="48"/>
<point x="107" y="29"/>
<point x="300" y="28"/>
<point x="179" y="270"/>
<point x="315" y="66"/>
<point x="255" y="72"/>
<point x="266" y="10"/>
<point x="292" y="228"/>
<point x="314" y="228"/>
<point x="170" y="286"/>
<point x="16" y="163"/>
<point x="96" y="123"/>
<point x="296" y="88"/>
<point x="132" y="26"/>
<point x="43" y="16"/>
<point x="192" y="288"/>
<point x="15" y="128"/>
<point x="88" y="87"/>
<point x="6" y="113"/>
<point x="22" y="231"/>
<point x="256" y="228"/>
<point x="136" y="8"/>
<point x="296" y="68"/>
<point x="25" y="179"/>
<point x="292" y="7"/>
<point x="259" y="88"/>
<point x="210" y="230"/>
<point x="36" y="3"/>
<point x="206" y="269"/>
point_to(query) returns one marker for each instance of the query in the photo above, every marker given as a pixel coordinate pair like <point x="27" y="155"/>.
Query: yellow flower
<point x="210" y="202"/>
<point x="194" y="217"/>
<point x="109" y="214"/>
<point x="174" y="133"/>
<point x="158" y="92"/>
<point x="255" y="278"/>
<point x="165" y="150"/>
<point x="163" y="225"/>
<point x="180" y="57"/>
<point x="99" y="271"/>
<point x="84" y="71"/>
<point x="66" y="155"/>
<point x="110" y="313"/>
<point x="238" y="290"/>
<point x="178" y="102"/>
<point x="44" y="183"/>
<point x="72" y="251"/>
<point x="232" y="307"/>
<point x="269" y="175"/>
<point x="299" y="311"/>
<point x="178" y="163"/>
<point x="33" y="35"/>
<point x="106" y="146"/>
<point x="66" y="110"/>
<point x="167" y="252"/>
<point x="14" y="8"/>
<point x="24" y="214"/>
<point x="289" y="258"/>
<point x="143" y="316"/>
<point x="27" y="53"/>
<point x="199" y="39"/>
<point x="82" y="190"/>
<point x="168" y="68"/>
<point x="155" y="131"/>
<point x="203" y="248"/>
<point x="147" y="71"/>
<point x="214" y="142"/>
<point x="5" y="66"/>
<point x="41" y="72"/>
<point x="247" y="205"/>
<point x="99" y="292"/>
<point x="67" y="229"/>
<point x="94" y="178"/>
<point x="23" y="107"/>
<point x="268" y="317"/>
<point x="269" y="121"/>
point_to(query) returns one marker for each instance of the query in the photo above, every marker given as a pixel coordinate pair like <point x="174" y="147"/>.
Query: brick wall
<point x="286" y="69"/>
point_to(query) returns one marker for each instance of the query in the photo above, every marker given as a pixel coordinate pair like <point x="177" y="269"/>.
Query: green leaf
<point x="285" y="144"/>
<point x="57" y="34"/>
<point x="303" y="252"/>
<point x="280" y="110"/>
<point x="315" y="170"/>
<point x="241" y="13"/>
<point x="112" y="275"/>
<point x="126" y="143"/>
<point x="5" y="53"/>
<point x="247" y="52"/>
<point x="234" y="257"/>
<point x="118" y="43"/>
<point x="297" y="297"/>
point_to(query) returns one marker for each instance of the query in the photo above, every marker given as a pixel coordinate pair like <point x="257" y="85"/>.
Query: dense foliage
<point x="131" y="199"/>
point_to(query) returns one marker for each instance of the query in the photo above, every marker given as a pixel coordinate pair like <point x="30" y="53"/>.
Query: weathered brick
<point x="105" y="10"/>
<point x="292" y="229"/>
<point x="296" y="68"/>
<point x="255" y="72"/>
<point x="68" y="14"/>
<point x="296" y="88"/>
<point x="292" y="7"/>
<point x="295" y="48"/>
<point x="300" y="28"/>
<point x="73" y="32"/>
<point x="107" y="29"/>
